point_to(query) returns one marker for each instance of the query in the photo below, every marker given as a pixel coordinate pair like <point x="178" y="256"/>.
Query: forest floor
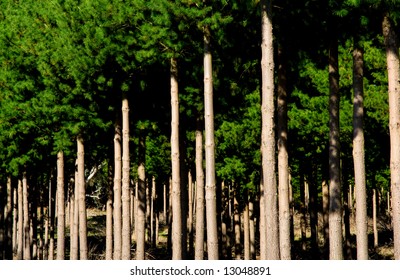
<point x="301" y="250"/>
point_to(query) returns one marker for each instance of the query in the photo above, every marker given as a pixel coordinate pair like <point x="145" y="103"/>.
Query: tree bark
<point x="268" y="133"/>
<point x="177" y="249"/>
<point x="210" y="185"/>
<point x="335" y="195"/>
<point x="27" y="241"/>
<point x="60" y="207"/>
<point x="109" y="216"/>
<point x="20" y="241"/>
<point x="126" y="192"/>
<point x="199" y="252"/>
<point x="393" y="69"/>
<point x="140" y="224"/>
<point x="83" y="248"/>
<point x="374" y="217"/>
<point x="74" y="235"/>
<point x="283" y="163"/>
<point x="117" y="190"/>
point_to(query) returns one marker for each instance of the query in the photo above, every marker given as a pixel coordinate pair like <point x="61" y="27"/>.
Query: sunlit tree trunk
<point x="20" y="241"/>
<point x="126" y="192"/>
<point x="140" y="223"/>
<point x="83" y="248"/>
<point x="210" y="185"/>
<point x="393" y="69"/>
<point x="177" y="249"/>
<point x="268" y="133"/>
<point x="283" y="163"/>
<point x="199" y="247"/>
<point x="117" y="217"/>
<point x="27" y="242"/>
<point x="74" y="235"/>
<point x="60" y="207"/>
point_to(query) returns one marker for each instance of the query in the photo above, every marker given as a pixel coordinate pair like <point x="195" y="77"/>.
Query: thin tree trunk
<point x="374" y="217"/>
<point x="109" y="216"/>
<point x="236" y="219"/>
<point x="60" y="208"/>
<point x="74" y="253"/>
<point x="246" y="230"/>
<point x="268" y="132"/>
<point x="283" y="163"/>
<point x="335" y="195"/>
<point x="303" y="211"/>
<point x="152" y="212"/>
<point x="210" y="185"/>
<point x="20" y="242"/>
<point x="252" y="230"/>
<point x="325" y="213"/>
<point x="393" y="68"/>
<point x="8" y="254"/>
<point x="117" y="190"/>
<point x="126" y="192"/>
<point x="27" y="241"/>
<point x="83" y="248"/>
<point x="141" y="203"/>
<point x="199" y="252"/>
<point x="177" y="249"/>
<point x="15" y="220"/>
<point x="190" y="213"/>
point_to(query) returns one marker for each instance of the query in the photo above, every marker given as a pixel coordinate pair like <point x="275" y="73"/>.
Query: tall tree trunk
<point x="177" y="249"/>
<point x="246" y="230"/>
<point x="109" y="216"/>
<point x="268" y="133"/>
<point x="325" y="214"/>
<point x="190" y="213"/>
<point x="83" y="248"/>
<point x="210" y="186"/>
<point x="74" y="251"/>
<point x="335" y="195"/>
<point x="20" y="242"/>
<point x="15" y="220"/>
<point x="141" y="203"/>
<point x="236" y="225"/>
<point x="61" y="207"/>
<point x="199" y="252"/>
<point x="283" y="163"/>
<point x="374" y="217"/>
<point x="126" y="192"/>
<point x="27" y="241"/>
<point x="8" y="254"/>
<point x="393" y="68"/>
<point x="252" y="230"/>
<point x="117" y="190"/>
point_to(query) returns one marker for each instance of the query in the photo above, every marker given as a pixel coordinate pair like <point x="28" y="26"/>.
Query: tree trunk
<point x="74" y="236"/>
<point x="236" y="223"/>
<point x="335" y="195"/>
<point x="199" y="252"/>
<point x="27" y="241"/>
<point x="109" y="216"/>
<point x="177" y="249"/>
<point x="117" y="190"/>
<point x="190" y="213"/>
<point x="303" y="212"/>
<point x="246" y="230"/>
<point x="393" y="68"/>
<point x="61" y="207"/>
<point x="20" y="242"/>
<point x="283" y="163"/>
<point x="325" y="214"/>
<point x="8" y="252"/>
<point x="252" y="230"/>
<point x="126" y="192"/>
<point x="268" y="133"/>
<point x="140" y="224"/>
<point x="210" y="186"/>
<point x="83" y="248"/>
<point x="374" y="217"/>
<point x="15" y="221"/>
